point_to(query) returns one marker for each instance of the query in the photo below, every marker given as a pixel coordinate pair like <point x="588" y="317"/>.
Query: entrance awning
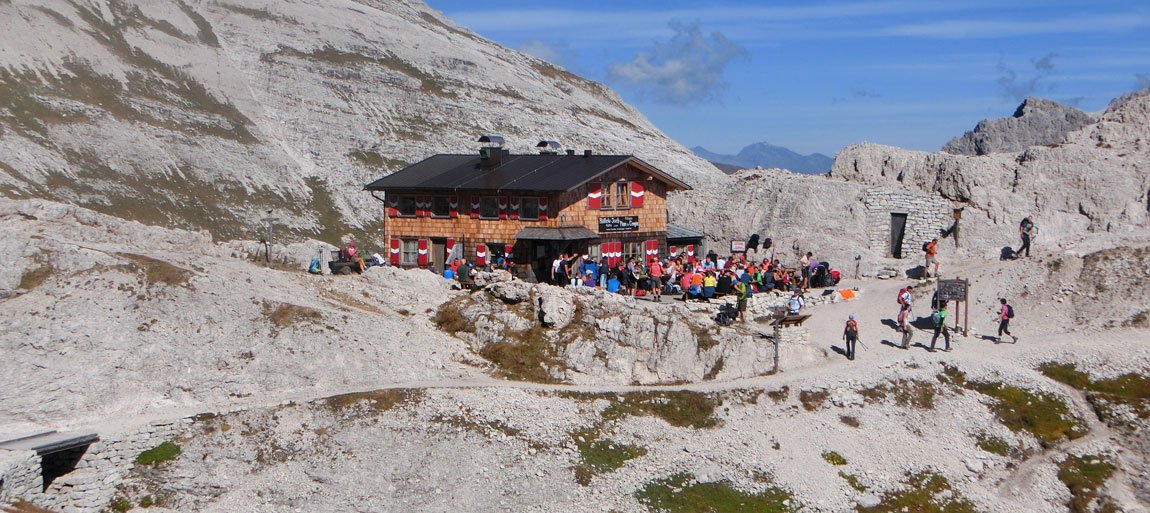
<point x="559" y="233"/>
<point x="675" y="231"/>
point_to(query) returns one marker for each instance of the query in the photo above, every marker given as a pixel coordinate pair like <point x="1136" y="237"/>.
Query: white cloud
<point x="687" y="69"/>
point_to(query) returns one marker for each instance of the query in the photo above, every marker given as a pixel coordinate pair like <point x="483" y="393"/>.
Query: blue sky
<point x="816" y="76"/>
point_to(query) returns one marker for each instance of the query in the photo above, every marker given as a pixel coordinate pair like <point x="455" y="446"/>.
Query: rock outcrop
<point x="206" y="115"/>
<point x="1036" y="122"/>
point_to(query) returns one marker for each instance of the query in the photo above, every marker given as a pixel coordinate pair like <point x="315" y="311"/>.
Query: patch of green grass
<point x="164" y="452"/>
<point x="1131" y="390"/>
<point x="704" y="339"/>
<point x="834" y="458"/>
<point x="682" y="408"/>
<point x="23" y="506"/>
<point x="375" y="160"/>
<point x="951" y="375"/>
<point x="995" y="445"/>
<point x="924" y="492"/>
<point x="159" y="272"/>
<point x="1085" y="476"/>
<point x="528" y="355"/>
<point x="680" y="493"/>
<point x="906" y="393"/>
<point x="120" y="505"/>
<point x="285" y="315"/>
<point x="780" y="396"/>
<point x="377" y="401"/>
<point x="599" y="455"/>
<point x="449" y="318"/>
<point x="813" y="400"/>
<point x="36" y="276"/>
<point x="1046" y="417"/>
<point x="715" y="370"/>
<point x="853" y="481"/>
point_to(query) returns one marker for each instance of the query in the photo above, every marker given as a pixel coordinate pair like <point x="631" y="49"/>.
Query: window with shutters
<point x="409" y="252"/>
<point x="440" y="206"/>
<point x="489" y="207"/>
<point x="529" y="208"/>
<point x="616" y="196"/>
<point x="406" y="206"/>
<point x="633" y="249"/>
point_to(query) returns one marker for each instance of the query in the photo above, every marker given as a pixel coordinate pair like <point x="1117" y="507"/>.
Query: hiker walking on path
<point x="904" y="298"/>
<point x="931" y="250"/>
<point x="1005" y="314"/>
<point x="939" y="318"/>
<point x="1026" y="231"/>
<point x="851" y="336"/>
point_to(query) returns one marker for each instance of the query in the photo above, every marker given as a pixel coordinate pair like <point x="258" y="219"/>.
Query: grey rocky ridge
<point x="1036" y="122"/>
<point x="143" y="141"/>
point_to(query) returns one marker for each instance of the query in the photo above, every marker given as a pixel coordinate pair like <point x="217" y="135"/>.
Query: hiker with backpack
<point x="904" y="298"/>
<point x="795" y="304"/>
<point x="742" y="292"/>
<point x="939" y="318"/>
<point x="1005" y="314"/>
<point x="1026" y="230"/>
<point x="931" y="250"/>
<point x="904" y="323"/>
<point x="851" y="336"/>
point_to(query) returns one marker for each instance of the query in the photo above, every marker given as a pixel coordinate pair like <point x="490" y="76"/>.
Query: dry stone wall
<point x="925" y="217"/>
<point x="92" y="485"/>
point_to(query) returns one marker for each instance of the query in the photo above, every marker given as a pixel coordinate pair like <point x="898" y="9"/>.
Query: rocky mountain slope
<point x="769" y="156"/>
<point x="1036" y="122"/>
<point x="207" y="114"/>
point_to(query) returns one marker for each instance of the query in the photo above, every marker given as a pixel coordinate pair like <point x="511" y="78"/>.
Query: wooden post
<point x="966" y="318"/>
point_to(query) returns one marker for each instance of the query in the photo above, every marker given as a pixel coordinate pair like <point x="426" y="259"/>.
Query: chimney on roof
<point x="570" y="152"/>
<point x="586" y="153"/>
<point x="548" y="147"/>
<point x="492" y="153"/>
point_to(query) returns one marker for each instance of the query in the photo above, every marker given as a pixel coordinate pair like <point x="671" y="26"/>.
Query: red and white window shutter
<point x="507" y="250"/>
<point x="542" y="209"/>
<point x="652" y="249"/>
<point x="392" y="206"/>
<point x="690" y="251"/>
<point x="637" y="194"/>
<point x="514" y="208"/>
<point x="503" y="207"/>
<point x="448" y="247"/>
<point x="394" y="251"/>
<point x="475" y="207"/>
<point x="481" y="254"/>
<point x="673" y="251"/>
<point x="453" y="202"/>
<point x="422" y="259"/>
<point x="594" y="196"/>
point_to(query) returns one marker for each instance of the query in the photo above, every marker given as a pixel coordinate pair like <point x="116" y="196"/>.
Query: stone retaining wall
<point x="92" y="485"/>
<point x="925" y="217"/>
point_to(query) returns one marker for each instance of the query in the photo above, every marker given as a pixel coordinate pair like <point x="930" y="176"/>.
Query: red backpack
<point x="900" y="293"/>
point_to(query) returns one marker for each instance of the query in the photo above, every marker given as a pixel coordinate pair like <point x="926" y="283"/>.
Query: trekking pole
<point x="859" y="340"/>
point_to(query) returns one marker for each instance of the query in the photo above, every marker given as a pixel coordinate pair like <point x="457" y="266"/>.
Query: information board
<point x="952" y="290"/>
<point x="618" y="224"/>
<point x="738" y="246"/>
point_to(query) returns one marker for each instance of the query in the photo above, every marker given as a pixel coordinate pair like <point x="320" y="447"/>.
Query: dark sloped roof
<point x="552" y="173"/>
<point x="675" y="231"/>
<point x="560" y="233"/>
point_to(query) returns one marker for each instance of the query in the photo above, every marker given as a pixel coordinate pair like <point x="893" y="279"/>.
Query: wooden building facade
<point x="528" y="208"/>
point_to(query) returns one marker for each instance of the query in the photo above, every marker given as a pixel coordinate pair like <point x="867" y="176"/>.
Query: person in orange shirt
<point x="931" y="249"/>
<point x="655" y="271"/>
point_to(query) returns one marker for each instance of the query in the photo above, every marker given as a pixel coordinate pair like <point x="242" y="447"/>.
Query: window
<point x="440" y="206"/>
<point x="622" y="194"/>
<point x="594" y="252"/>
<point x="406" y="206"/>
<point x="616" y="196"/>
<point x="409" y="252"/>
<point x="529" y="208"/>
<point x="633" y="249"/>
<point x="489" y="207"/>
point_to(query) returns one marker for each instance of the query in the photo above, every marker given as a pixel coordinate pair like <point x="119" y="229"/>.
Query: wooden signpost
<point x="957" y="290"/>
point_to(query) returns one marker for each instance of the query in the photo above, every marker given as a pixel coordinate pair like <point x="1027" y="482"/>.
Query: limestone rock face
<point x="1097" y="181"/>
<point x="206" y="115"/>
<point x="602" y="338"/>
<point x="1036" y="122"/>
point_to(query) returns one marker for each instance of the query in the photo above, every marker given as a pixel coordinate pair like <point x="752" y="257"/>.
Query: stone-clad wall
<point x="926" y="216"/>
<point x="92" y="486"/>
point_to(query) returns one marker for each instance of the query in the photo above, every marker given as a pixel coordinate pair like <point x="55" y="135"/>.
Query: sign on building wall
<point x="618" y="224"/>
<point x="738" y="246"/>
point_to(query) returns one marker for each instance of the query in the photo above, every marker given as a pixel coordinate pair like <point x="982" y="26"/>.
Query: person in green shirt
<point x="939" y="318"/>
<point x="741" y="293"/>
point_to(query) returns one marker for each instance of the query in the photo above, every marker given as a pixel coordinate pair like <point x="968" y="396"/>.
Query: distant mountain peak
<point x="767" y="155"/>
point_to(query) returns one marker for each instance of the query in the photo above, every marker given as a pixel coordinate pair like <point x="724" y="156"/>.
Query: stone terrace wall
<point x="926" y="215"/>
<point x="92" y="485"/>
